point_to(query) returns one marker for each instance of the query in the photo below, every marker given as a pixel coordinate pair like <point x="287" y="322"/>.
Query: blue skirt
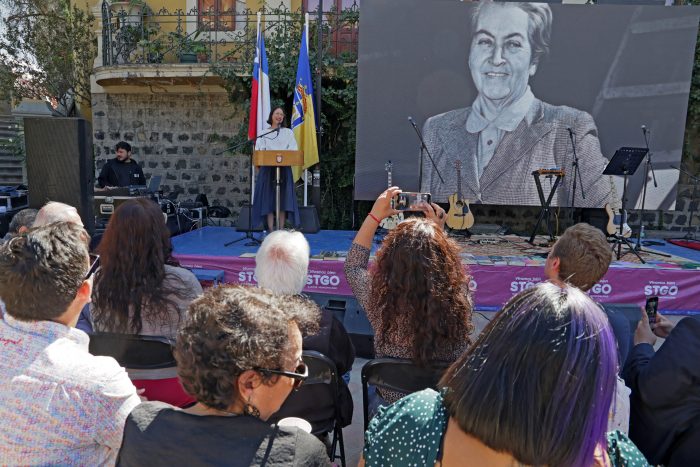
<point x="265" y="195"/>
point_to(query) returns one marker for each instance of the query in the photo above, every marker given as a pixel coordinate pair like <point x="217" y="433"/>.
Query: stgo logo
<point x="601" y="289"/>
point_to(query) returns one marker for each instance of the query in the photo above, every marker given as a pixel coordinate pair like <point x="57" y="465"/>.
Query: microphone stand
<point x="422" y="147"/>
<point x="577" y="176"/>
<point x="248" y="232"/>
<point x="648" y="166"/>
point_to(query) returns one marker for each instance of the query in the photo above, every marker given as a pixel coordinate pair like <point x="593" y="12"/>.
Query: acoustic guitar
<point x="389" y="223"/>
<point x="616" y="216"/>
<point x="459" y="217"/>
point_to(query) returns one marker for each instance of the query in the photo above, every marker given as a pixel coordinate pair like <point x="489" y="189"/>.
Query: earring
<point x="250" y="410"/>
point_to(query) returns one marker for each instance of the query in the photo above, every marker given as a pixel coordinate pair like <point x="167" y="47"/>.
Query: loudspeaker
<point x="309" y="219"/>
<point x="243" y="221"/>
<point x="60" y="164"/>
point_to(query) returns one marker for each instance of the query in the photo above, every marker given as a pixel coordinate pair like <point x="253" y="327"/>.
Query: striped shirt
<point x="59" y="405"/>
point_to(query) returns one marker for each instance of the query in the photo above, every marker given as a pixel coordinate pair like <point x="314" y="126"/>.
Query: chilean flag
<point x="260" y="92"/>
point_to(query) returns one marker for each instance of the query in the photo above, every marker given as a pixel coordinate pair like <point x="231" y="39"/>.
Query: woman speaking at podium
<point x="264" y="200"/>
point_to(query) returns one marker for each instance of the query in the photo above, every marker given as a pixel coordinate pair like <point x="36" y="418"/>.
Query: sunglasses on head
<point x="94" y="264"/>
<point x="299" y="375"/>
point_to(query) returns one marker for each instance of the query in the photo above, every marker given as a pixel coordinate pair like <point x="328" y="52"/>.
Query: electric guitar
<point x="390" y="222"/>
<point x="617" y="216"/>
<point x="459" y="217"/>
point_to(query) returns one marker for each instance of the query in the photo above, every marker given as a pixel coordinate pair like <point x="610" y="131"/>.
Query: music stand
<point x="624" y="162"/>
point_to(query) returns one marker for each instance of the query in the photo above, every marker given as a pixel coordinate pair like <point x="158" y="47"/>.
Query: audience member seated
<point x="665" y="412"/>
<point x="57" y="212"/>
<point x="20" y="223"/>
<point x="239" y="355"/>
<point x="417" y="296"/>
<point x="281" y="265"/>
<point x="581" y="257"/>
<point x="137" y="292"/>
<point x="59" y="405"/>
<point x="534" y="389"/>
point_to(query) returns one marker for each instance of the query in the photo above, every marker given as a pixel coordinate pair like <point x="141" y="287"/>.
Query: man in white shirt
<point x="59" y="404"/>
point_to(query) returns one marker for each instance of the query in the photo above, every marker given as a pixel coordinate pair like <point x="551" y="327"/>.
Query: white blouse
<point x="282" y="140"/>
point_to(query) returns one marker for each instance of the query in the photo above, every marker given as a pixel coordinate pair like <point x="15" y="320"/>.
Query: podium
<point x="277" y="159"/>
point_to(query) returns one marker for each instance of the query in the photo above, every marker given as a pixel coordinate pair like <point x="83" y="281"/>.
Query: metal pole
<point x="316" y="189"/>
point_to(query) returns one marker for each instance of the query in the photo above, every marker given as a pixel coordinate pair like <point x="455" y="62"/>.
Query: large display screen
<point x="500" y="90"/>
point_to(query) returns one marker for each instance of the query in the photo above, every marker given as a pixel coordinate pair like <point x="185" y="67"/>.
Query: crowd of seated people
<point x="541" y="385"/>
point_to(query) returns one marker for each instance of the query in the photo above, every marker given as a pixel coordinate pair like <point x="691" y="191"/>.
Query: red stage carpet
<point x="693" y="244"/>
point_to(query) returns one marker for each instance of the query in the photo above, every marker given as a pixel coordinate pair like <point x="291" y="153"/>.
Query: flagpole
<point x="257" y="117"/>
<point x="306" y="170"/>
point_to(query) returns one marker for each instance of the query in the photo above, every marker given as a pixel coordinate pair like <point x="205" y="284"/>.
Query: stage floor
<point x="500" y="266"/>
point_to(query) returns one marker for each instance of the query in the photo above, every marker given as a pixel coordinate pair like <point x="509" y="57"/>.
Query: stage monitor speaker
<point x="242" y="224"/>
<point x="60" y="164"/>
<point x="309" y="219"/>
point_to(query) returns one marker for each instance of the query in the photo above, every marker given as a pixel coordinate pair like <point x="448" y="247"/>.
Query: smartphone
<point x="651" y="307"/>
<point x="410" y="201"/>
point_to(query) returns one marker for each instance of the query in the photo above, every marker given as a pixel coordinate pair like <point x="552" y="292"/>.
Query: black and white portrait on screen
<point x="507" y="132"/>
<point x="521" y="84"/>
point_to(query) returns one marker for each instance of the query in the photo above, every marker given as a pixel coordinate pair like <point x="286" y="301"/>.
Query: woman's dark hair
<point x="231" y="329"/>
<point x="419" y="279"/>
<point x="539" y="381"/>
<point x="269" y="118"/>
<point x="129" y="286"/>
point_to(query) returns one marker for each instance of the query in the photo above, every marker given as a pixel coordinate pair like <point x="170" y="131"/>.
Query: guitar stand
<point x="617" y="242"/>
<point x="545" y="206"/>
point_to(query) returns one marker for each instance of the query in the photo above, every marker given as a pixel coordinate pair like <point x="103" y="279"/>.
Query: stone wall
<point x="176" y="136"/>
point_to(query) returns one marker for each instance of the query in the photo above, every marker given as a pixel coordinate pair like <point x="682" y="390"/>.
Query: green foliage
<point x="48" y="48"/>
<point x="338" y="106"/>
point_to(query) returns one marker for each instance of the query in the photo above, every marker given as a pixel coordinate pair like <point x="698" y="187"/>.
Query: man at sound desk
<point x="122" y="170"/>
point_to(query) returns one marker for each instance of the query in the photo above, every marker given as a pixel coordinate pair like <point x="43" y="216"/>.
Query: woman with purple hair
<point x="535" y="389"/>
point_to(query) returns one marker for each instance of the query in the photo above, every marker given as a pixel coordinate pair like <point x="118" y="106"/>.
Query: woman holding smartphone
<point x="417" y="296"/>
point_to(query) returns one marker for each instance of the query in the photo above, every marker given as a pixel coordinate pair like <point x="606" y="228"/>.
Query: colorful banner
<point x="677" y="289"/>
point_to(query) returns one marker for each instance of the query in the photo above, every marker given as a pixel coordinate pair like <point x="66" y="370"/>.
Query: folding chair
<point x="400" y="375"/>
<point x="304" y="403"/>
<point x="148" y="360"/>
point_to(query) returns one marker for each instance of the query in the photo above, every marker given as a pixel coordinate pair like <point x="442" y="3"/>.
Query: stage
<point x="500" y="266"/>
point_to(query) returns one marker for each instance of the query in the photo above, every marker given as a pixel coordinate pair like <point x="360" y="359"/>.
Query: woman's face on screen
<point x="501" y="53"/>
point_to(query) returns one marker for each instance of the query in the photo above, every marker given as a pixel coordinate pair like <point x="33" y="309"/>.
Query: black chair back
<point x="133" y="351"/>
<point x="400" y="375"/>
<point x="304" y="402"/>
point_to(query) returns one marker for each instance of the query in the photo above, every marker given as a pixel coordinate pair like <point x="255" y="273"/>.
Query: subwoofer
<point x="60" y="164"/>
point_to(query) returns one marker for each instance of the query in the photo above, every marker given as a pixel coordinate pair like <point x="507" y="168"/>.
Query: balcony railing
<point x="133" y="34"/>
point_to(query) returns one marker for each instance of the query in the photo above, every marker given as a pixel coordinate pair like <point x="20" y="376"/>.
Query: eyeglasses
<point x="299" y="375"/>
<point x="94" y="264"/>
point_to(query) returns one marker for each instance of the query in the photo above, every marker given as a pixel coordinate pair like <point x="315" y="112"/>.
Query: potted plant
<point x="188" y="47"/>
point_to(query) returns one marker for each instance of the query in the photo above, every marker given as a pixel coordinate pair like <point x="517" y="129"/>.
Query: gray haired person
<point x="507" y="133"/>
<point x="281" y="265"/>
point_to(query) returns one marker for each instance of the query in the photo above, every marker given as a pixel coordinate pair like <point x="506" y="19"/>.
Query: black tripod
<point x="577" y="176"/>
<point x="249" y="231"/>
<point x="648" y="167"/>
<point x="625" y="162"/>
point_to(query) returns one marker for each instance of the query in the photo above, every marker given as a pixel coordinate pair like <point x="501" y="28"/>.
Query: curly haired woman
<point x="239" y="355"/>
<point x="416" y="297"/>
